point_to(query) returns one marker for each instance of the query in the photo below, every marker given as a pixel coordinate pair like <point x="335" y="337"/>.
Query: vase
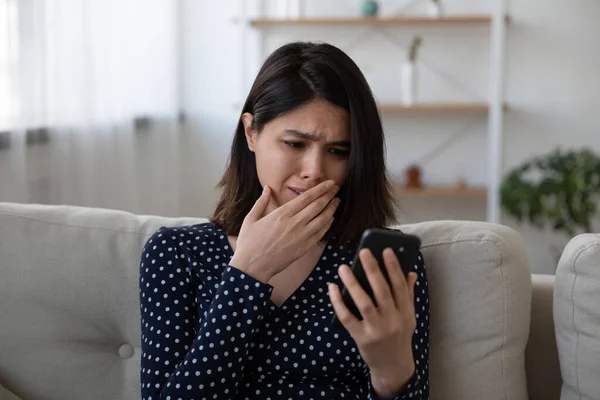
<point x="369" y="8"/>
<point x="413" y="177"/>
<point x="435" y="9"/>
<point x="408" y="84"/>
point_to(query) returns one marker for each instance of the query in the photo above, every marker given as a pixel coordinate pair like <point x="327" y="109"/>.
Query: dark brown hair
<point x="293" y="75"/>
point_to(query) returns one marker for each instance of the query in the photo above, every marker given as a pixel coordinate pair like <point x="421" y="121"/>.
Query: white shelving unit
<point x="254" y="19"/>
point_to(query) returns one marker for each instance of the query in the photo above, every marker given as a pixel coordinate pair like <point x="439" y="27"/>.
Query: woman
<point x="241" y="307"/>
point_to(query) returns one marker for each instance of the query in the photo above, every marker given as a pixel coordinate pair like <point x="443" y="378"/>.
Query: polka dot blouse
<point x="210" y="331"/>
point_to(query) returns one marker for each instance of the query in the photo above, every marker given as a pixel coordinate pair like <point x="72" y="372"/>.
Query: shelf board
<point x="398" y="20"/>
<point x="438" y="107"/>
<point x="441" y="191"/>
<point x="449" y="108"/>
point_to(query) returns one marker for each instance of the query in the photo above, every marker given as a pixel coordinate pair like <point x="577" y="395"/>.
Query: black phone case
<point x="405" y="246"/>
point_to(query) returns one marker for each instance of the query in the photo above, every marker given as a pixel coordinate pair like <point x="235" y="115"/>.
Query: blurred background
<point x="491" y="108"/>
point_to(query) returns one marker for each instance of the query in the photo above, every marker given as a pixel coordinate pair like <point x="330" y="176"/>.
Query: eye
<point x="295" y="145"/>
<point x="339" y="152"/>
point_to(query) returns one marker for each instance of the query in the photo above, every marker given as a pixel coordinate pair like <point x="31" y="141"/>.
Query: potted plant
<point x="408" y="73"/>
<point x="560" y="189"/>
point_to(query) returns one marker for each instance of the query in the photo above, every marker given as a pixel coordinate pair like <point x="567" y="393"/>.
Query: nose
<point x="312" y="166"/>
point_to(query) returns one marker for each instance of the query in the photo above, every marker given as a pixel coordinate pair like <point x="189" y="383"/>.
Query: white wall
<point x="552" y="85"/>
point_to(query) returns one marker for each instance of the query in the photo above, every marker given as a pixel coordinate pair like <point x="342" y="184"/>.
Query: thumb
<point x="259" y="208"/>
<point x="411" y="285"/>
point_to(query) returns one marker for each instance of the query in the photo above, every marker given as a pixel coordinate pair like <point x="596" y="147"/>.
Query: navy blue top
<point x="210" y="331"/>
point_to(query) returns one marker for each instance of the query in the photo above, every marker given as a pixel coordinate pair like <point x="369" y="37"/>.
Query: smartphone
<point x="405" y="246"/>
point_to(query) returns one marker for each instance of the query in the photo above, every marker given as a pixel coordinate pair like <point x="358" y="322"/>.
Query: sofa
<point x="70" y="321"/>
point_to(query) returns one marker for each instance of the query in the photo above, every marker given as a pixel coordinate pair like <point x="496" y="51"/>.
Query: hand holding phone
<point x="406" y="248"/>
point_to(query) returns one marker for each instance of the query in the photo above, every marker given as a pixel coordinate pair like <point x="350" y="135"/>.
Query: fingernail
<point x="265" y="189"/>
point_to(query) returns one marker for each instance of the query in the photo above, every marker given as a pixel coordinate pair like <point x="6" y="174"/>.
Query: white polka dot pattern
<point x="210" y="331"/>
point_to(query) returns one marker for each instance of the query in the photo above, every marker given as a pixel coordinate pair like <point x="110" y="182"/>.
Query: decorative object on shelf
<point x="435" y="8"/>
<point x="461" y="176"/>
<point x="560" y="189"/>
<point x="369" y="8"/>
<point x="290" y="9"/>
<point x="408" y="74"/>
<point x="413" y="177"/>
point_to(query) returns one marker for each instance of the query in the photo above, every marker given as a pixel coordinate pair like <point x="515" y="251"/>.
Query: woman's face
<point x="300" y="149"/>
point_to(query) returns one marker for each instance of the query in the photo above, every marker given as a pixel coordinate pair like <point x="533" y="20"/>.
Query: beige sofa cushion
<point x="480" y="296"/>
<point x="69" y="301"/>
<point x="72" y="327"/>
<point x="577" y="318"/>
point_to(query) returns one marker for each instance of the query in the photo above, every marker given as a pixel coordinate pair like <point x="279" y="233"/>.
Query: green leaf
<point x="560" y="188"/>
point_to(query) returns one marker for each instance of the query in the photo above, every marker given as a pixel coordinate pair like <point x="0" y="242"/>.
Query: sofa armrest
<point x="541" y="357"/>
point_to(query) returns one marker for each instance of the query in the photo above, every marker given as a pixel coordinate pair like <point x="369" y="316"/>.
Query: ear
<point x="247" y="119"/>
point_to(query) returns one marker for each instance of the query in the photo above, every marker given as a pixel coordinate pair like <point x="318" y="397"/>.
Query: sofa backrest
<point x="70" y="325"/>
<point x="69" y="307"/>
<point x="577" y="318"/>
<point x="480" y="296"/>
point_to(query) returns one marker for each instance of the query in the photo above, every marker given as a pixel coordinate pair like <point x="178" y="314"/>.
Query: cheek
<point x="272" y="165"/>
<point x="338" y="171"/>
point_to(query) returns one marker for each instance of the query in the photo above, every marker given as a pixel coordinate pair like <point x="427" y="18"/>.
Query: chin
<point x="273" y="205"/>
<point x="279" y="199"/>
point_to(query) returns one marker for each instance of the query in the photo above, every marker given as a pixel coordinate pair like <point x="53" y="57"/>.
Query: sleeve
<point x="417" y="387"/>
<point x="196" y="326"/>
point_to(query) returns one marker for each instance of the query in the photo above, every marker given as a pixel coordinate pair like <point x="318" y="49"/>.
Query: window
<point x="8" y="58"/>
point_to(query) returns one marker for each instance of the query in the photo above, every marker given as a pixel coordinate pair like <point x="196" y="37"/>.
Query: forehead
<point x="319" y="118"/>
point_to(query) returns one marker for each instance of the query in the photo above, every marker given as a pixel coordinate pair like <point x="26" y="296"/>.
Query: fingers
<point x="346" y="318"/>
<point x="325" y="218"/>
<point x="323" y="192"/>
<point x="315" y="237"/>
<point x="381" y="289"/>
<point x="259" y="208"/>
<point x="361" y="298"/>
<point x="398" y="282"/>
<point x="316" y="207"/>
<point x="412" y="280"/>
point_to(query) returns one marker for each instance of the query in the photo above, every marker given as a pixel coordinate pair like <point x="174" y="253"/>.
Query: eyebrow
<point x="314" y="138"/>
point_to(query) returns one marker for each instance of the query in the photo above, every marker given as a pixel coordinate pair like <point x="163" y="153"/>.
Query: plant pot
<point x="413" y="178"/>
<point x="408" y="83"/>
<point x="435" y="9"/>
